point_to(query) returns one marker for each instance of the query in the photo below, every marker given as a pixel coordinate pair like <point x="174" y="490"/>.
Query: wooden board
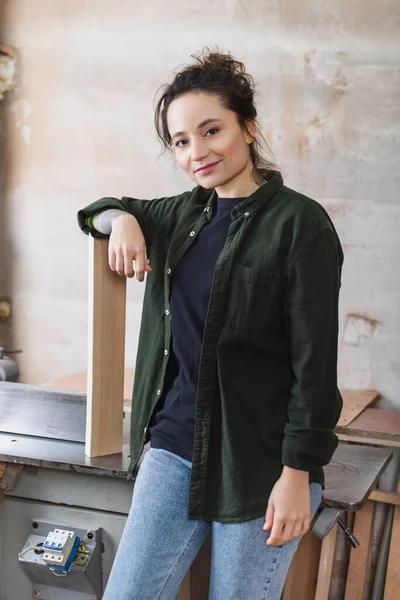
<point x="387" y="497"/>
<point x="392" y="586"/>
<point x="368" y="440"/>
<point x="106" y="350"/>
<point x="326" y="565"/>
<point x="354" y="403"/>
<point x="78" y="382"/>
<point x="356" y="576"/>
<point x="301" y="579"/>
<point x="376" y="423"/>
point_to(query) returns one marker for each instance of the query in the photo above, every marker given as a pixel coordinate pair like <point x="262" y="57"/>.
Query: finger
<point x="147" y="262"/>
<point x="298" y="529"/>
<point x="288" y="532"/>
<point x="128" y="262"/>
<point x="119" y="262"/>
<point x="111" y="258"/>
<point x="278" y="542"/>
<point x="269" y="516"/>
<point x="276" y="532"/>
<point x="306" y="526"/>
<point x="140" y="267"/>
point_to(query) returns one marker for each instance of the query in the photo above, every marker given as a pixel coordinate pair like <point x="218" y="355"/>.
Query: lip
<point x="207" y="168"/>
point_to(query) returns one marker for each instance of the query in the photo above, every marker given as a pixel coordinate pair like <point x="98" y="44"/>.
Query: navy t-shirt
<point x="173" y="426"/>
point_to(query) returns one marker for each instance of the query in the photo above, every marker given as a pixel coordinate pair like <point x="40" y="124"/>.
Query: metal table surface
<point x="349" y="478"/>
<point x="62" y="455"/>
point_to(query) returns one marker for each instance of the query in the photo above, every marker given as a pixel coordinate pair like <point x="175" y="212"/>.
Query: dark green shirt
<point x="267" y="391"/>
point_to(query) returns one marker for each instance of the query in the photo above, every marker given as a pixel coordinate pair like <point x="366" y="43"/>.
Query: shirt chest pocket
<point x="250" y="293"/>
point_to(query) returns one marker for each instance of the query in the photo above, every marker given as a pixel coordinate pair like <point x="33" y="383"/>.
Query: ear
<point x="251" y="131"/>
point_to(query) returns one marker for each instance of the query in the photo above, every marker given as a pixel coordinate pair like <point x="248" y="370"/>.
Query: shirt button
<point x="168" y="271"/>
<point x="192" y="233"/>
<point x="166" y="352"/>
<point x="158" y="392"/>
<point x="246" y="214"/>
<point x="167" y="312"/>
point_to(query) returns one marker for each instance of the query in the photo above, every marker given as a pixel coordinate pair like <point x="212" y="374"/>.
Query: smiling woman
<point x="215" y="92"/>
<point x="235" y="381"/>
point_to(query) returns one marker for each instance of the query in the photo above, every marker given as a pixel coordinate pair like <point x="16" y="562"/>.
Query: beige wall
<point x="79" y="126"/>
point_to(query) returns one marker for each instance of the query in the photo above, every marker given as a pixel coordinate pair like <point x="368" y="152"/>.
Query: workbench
<point x="53" y="480"/>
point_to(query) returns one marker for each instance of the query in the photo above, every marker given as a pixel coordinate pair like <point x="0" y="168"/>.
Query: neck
<point x="239" y="186"/>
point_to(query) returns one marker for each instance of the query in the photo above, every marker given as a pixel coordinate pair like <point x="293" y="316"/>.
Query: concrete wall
<point x="4" y="327"/>
<point x="79" y="126"/>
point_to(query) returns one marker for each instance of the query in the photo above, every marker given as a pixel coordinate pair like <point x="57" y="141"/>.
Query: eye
<point x="213" y="129"/>
<point x="179" y="145"/>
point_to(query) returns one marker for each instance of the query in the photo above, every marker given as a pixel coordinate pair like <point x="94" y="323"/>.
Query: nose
<point x="199" y="151"/>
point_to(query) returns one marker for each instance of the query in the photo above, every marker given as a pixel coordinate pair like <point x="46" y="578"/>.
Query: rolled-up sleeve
<point x="154" y="216"/>
<point x="311" y="325"/>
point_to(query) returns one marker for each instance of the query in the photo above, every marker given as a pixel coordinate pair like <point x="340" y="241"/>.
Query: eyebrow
<point x="199" y="126"/>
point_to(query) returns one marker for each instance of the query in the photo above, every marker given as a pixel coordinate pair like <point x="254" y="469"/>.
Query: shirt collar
<point x="248" y="206"/>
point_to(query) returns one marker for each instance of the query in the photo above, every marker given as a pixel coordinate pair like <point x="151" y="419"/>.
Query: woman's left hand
<point x="288" y="511"/>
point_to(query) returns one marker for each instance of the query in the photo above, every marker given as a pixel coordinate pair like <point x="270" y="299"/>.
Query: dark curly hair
<point x="218" y="73"/>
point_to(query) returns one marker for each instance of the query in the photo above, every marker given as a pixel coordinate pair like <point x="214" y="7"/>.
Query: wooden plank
<point x="392" y="587"/>
<point x="379" y="583"/>
<point x="106" y="350"/>
<point x="354" y="403"/>
<point x="301" y="579"/>
<point x="78" y="382"/>
<point x="387" y="497"/>
<point x="377" y="423"/>
<point x="325" y="565"/>
<point x="341" y="560"/>
<point x="356" y="576"/>
<point x="184" y="592"/>
<point x="343" y="437"/>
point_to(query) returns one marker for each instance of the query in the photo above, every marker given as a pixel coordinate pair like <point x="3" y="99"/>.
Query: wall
<point x="5" y="84"/>
<point x="79" y="127"/>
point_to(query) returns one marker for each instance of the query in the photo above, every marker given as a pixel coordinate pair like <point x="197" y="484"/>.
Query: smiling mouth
<point x="207" y="168"/>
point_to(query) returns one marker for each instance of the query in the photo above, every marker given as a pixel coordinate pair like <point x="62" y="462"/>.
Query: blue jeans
<point x="159" y="543"/>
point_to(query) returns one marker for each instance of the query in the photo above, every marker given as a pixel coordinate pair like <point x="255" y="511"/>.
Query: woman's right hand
<point x="127" y="244"/>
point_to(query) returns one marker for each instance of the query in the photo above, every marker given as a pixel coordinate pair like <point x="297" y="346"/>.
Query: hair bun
<point x="218" y="60"/>
<point x="224" y="63"/>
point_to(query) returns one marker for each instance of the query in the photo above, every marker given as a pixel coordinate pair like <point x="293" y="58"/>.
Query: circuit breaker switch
<point x="61" y="547"/>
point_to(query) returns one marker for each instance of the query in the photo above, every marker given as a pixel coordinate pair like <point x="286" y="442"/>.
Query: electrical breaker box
<point x="26" y="525"/>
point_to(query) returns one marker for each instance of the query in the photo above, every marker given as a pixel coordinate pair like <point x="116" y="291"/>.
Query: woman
<point x="235" y="383"/>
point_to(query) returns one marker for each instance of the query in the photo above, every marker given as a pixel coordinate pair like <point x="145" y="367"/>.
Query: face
<point x="205" y="133"/>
